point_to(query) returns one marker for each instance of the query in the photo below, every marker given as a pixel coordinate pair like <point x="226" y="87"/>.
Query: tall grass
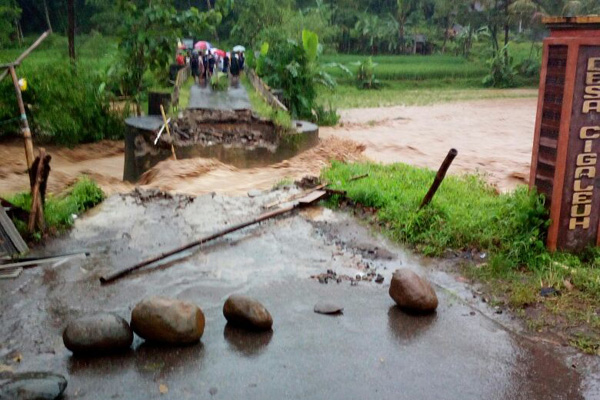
<point x="60" y="210"/>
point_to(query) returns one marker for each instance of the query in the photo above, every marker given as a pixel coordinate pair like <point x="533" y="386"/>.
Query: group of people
<point x="205" y="63"/>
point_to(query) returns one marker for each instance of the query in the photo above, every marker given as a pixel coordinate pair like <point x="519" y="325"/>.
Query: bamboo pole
<point x="24" y="124"/>
<point x="162" y="111"/>
<point x="439" y="177"/>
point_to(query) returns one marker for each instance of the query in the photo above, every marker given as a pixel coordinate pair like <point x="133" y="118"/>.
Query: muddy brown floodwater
<point x="493" y="137"/>
<point x="372" y="351"/>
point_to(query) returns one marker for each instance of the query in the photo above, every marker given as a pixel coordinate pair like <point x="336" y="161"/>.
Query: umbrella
<point x="202" y="45"/>
<point x="239" y="48"/>
<point x="219" y="52"/>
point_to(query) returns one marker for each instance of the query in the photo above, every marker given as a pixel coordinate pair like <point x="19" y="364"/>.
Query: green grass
<point x="410" y="67"/>
<point x="184" y="93"/>
<point x="59" y="210"/>
<point x="421" y="80"/>
<point x="93" y="51"/>
<point x="414" y="94"/>
<point x="466" y="214"/>
<point x="262" y="108"/>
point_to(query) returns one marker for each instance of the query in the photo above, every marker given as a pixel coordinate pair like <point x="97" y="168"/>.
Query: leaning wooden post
<point x="162" y="110"/>
<point x="439" y="177"/>
<point x="24" y="124"/>
<point x="36" y="216"/>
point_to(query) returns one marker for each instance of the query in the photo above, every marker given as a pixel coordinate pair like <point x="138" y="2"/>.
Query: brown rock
<point x="248" y="313"/>
<point x="99" y="333"/>
<point x="163" y="320"/>
<point x="411" y="292"/>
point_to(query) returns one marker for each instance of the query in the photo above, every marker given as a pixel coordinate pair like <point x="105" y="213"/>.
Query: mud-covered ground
<point x="373" y="350"/>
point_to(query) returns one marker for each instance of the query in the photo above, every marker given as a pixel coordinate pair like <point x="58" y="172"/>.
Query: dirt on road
<point x="493" y="138"/>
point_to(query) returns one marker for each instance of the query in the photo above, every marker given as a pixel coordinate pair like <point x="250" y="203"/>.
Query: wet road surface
<point x="372" y="351"/>
<point x="236" y="98"/>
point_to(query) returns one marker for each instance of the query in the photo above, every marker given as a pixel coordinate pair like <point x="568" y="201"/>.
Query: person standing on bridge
<point x="195" y="65"/>
<point x="235" y="69"/>
<point x="226" y="63"/>
<point x="211" y="62"/>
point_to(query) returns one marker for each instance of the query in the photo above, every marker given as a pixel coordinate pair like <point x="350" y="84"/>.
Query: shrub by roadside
<point x="467" y="214"/>
<point x="59" y="210"/>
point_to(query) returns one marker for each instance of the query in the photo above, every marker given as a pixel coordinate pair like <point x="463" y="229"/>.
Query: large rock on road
<point x="33" y="386"/>
<point x="170" y="321"/>
<point x="247" y="313"/>
<point x="100" y="333"/>
<point x="412" y="293"/>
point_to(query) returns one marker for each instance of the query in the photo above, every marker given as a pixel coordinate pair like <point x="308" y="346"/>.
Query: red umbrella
<point x="202" y="45"/>
<point x="219" y="52"/>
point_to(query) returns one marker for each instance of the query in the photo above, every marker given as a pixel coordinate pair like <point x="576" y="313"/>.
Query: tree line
<point x="350" y="26"/>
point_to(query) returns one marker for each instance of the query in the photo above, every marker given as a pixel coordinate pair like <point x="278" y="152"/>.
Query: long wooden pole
<point x="439" y="177"/>
<point x="24" y="124"/>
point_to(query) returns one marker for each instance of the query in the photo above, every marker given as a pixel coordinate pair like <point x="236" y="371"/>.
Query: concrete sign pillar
<point x="565" y="162"/>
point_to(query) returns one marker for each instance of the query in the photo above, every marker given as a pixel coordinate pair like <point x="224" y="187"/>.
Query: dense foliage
<point x="292" y="67"/>
<point x="147" y="36"/>
<point x="373" y="26"/>
<point x="65" y="105"/>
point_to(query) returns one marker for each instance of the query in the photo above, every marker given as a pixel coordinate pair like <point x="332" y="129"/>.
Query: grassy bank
<point x="262" y="108"/>
<point x="468" y="215"/>
<point x="414" y="94"/>
<point x="60" y="210"/>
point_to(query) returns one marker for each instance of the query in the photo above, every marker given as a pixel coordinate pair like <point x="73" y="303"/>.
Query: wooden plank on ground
<point x="17" y="245"/>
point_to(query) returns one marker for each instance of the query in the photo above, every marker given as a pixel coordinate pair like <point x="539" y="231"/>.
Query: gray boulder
<point x="99" y="333"/>
<point x="33" y="386"/>
<point x="170" y="321"/>
<point x="412" y="293"/>
<point x="247" y="313"/>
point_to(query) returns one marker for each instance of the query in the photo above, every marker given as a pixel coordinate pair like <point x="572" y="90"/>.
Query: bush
<point x="219" y="82"/>
<point x="59" y="211"/>
<point x="501" y="72"/>
<point x="365" y="76"/>
<point x="293" y="68"/>
<point x="65" y="105"/>
<point x="325" y="116"/>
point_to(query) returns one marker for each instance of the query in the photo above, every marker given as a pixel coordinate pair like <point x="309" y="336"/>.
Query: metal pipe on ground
<point x="305" y="201"/>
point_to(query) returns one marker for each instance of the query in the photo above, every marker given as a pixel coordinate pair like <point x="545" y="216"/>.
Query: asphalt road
<point x="372" y="351"/>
